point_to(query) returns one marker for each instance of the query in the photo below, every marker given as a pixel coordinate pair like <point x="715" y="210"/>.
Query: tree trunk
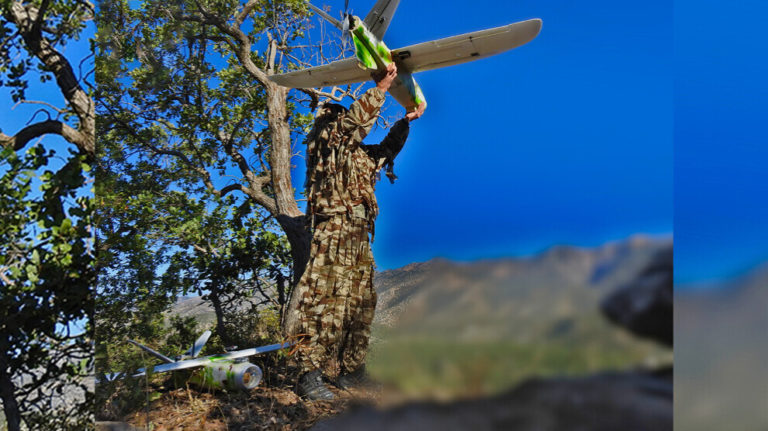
<point x="300" y="238"/>
<point x="213" y="296"/>
<point x="10" y="406"/>
<point x="281" y="151"/>
<point x="291" y="219"/>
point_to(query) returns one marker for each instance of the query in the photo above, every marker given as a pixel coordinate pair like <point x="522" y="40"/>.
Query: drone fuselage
<point x="374" y="55"/>
<point x="226" y="374"/>
<point x="224" y="371"/>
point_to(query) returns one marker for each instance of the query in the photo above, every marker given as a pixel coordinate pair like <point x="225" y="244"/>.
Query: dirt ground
<point x="267" y="407"/>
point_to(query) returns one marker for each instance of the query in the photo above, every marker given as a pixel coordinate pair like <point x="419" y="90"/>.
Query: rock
<point x="644" y="306"/>
<point x="630" y="401"/>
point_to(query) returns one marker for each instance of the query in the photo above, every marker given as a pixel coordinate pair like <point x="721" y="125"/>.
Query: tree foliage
<point x="46" y="261"/>
<point x="196" y="152"/>
<point x="186" y="173"/>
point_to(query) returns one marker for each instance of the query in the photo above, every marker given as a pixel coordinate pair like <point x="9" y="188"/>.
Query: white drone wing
<point x="337" y="73"/>
<point x="420" y="57"/>
<point x="198" y="362"/>
<point x="466" y="47"/>
<point x="152" y="352"/>
<point x="378" y="19"/>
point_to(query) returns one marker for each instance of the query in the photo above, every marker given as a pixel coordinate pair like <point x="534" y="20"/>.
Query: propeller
<point x="344" y="25"/>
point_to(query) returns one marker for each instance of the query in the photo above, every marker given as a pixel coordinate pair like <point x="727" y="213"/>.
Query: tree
<point x="239" y="270"/>
<point x="46" y="261"/>
<point x="188" y="109"/>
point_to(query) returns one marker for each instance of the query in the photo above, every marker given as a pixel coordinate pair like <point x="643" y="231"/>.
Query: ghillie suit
<point x="336" y="295"/>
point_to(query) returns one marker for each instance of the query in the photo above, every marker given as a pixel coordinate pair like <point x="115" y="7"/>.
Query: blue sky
<point x="566" y="140"/>
<point x="16" y="116"/>
<point x="13" y="120"/>
<point x="721" y="97"/>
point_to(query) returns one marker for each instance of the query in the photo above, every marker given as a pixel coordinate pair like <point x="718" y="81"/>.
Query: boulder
<point x="644" y="306"/>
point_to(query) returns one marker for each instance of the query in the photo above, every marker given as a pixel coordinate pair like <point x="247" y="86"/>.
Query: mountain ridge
<point x="560" y="282"/>
<point x="450" y="294"/>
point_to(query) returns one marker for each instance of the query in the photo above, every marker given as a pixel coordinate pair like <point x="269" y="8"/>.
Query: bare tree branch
<point x="247" y="9"/>
<point x="28" y="22"/>
<point x="231" y="188"/>
<point x="36" y="130"/>
<point x="256" y="182"/>
<point x="40" y="102"/>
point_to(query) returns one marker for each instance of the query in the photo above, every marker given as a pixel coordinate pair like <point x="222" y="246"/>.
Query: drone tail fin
<point x="198" y="346"/>
<point x="379" y="18"/>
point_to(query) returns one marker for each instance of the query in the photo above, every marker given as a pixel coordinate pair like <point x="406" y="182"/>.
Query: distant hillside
<point x="515" y="298"/>
<point x="500" y="298"/>
<point x="194" y="306"/>
<point x="720" y="340"/>
<point x="445" y="329"/>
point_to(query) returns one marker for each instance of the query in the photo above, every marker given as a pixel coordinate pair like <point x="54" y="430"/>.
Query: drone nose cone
<point x="249" y="377"/>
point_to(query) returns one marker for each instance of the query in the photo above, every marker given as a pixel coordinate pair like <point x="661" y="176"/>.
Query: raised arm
<point x="364" y="111"/>
<point x="384" y="153"/>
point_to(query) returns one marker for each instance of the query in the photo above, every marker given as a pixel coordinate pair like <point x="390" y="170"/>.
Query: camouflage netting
<point x="337" y="299"/>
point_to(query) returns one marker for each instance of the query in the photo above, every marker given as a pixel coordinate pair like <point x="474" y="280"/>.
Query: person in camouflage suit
<point x="336" y="295"/>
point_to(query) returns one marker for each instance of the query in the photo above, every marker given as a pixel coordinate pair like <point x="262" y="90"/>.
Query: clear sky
<point x="15" y="117"/>
<point x="721" y="100"/>
<point x="566" y="140"/>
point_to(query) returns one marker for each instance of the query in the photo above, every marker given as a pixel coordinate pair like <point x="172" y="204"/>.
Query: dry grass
<point x="264" y="408"/>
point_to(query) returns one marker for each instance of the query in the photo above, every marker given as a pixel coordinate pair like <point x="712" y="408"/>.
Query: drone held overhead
<point x="225" y="371"/>
<point x="371" y="54"/>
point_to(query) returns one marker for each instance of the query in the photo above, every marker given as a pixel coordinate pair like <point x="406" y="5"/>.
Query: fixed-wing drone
<point x="372" y="54"/>
<point x="226" y="371"/>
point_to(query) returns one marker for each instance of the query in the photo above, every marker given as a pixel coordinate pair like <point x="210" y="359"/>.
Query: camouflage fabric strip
<point x="338" y="305"/>
<point x="336" y="295"/>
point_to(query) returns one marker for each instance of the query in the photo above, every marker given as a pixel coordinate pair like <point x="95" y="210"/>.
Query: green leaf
<point x="31" y="271"/>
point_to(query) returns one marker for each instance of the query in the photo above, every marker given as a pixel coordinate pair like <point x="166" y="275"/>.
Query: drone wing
<point x="199" y="362"/>
<point x="466" y="47"/>
<point x="400" y="93"/>
<point x="152" y="352"/>
<point x="378" y="19"/>
<point x="416" y="58"/>
<point x="340" y="72"/>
